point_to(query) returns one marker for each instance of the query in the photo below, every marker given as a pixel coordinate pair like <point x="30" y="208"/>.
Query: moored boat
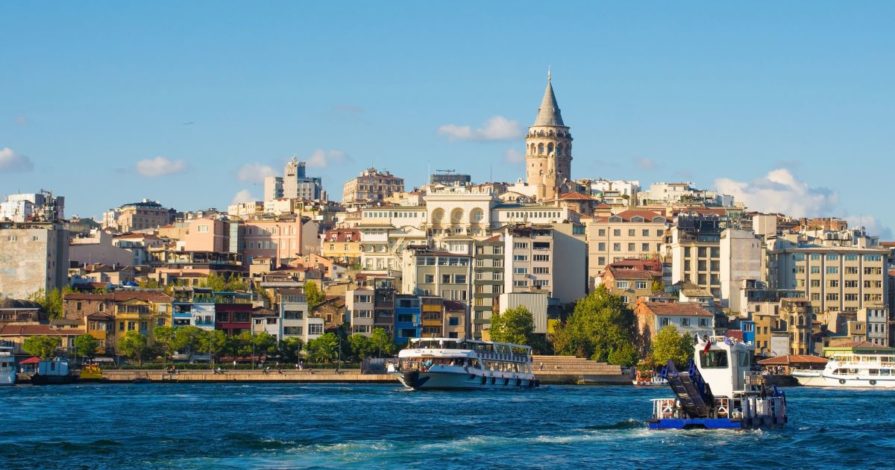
<point x="648" y="379"/>
<point x="719" y="390"/>
<point x="7" y="366"/>
<point x="455" y="364"/>
<point x="851" y="371"/>
<point x="53" y="372"/>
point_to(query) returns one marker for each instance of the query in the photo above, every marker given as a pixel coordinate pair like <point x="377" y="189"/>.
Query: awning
<point x="30" y="360"/>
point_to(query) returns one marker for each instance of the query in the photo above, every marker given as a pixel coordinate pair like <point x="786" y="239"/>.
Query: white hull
<point x="8" y="373"/>
<point x="462" y="380"/>
<point x="822" y="380"/>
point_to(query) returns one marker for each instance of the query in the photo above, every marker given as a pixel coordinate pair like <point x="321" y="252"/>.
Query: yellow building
<point x="341" y="245"/>
<point x="432" y="317"/>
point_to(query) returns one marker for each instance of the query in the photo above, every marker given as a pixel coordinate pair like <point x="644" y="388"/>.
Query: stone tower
<point x="548" y="149"/>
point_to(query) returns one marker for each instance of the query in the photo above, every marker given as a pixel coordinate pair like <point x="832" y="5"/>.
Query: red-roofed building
<point x="630" y="234"/>
<point x="687" y="317"/>
<point x="581" y="203"/>
<point x="632" y="279"/>
<point x="16" y="335"/>
<point x="342" y="245"/>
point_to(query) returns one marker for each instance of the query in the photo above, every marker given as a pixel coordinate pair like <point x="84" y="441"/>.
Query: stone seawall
<point x="183" y="376"/>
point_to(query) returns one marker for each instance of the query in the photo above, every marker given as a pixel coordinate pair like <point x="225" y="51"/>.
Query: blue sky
<point x="718" y="94"/>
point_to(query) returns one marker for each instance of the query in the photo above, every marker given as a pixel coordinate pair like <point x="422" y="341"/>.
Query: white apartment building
<point x="742" y="257"/>
<point x="359" y="307"/>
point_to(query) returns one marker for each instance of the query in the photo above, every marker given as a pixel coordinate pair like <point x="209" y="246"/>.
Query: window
<point x="454" y="321"/>
<point x="645" y="232"/>
<point x="459" y="279"/>
<point x="601" y="232"/>
<point x="832" y="269"/>
<point x="685" y="322"/>
<point x="621" y="284"/>
<point x="631" y="246"/>
<point x="445" y="278"/>
<point x="541" y="270"/>
<point x="520" y="270"/>
<point x="616" y="247"/>
<point x="663" y="322"/>
<point x="631" y="232"/>
<point x="617" y="232"/>
<point x="293" y="315"/>
<point x="713" y="359"/>
<point x="644" y="247"/>
<point x="520" y="258"/>
<point x="601" y="246"/>
<point x="428" y="278"/>
<point x="640" y="285"/>
<point x="541" y="257"/>
<point x="202" y="228"/>
<point x="832" y="257"/>
<point x="292" y="330"/>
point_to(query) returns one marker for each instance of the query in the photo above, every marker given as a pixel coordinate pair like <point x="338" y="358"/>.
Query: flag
<point x="708" y="345"/>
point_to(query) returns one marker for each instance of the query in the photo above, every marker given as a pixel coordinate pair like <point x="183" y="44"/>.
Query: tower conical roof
<point x="548" y="113"/>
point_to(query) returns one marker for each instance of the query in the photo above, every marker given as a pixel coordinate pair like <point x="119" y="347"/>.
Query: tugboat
<point x="719" y="390"/>
<point x="53" y="372"/>
<point x="456" y="364"/>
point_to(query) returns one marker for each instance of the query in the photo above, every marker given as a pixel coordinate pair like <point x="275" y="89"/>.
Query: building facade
<point x="371" y="186"/>
<point x="548" y="149"/>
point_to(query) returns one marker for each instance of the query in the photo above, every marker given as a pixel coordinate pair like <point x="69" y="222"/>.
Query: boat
<point x="7" y="366"/>
<point x="648" y="378"/>
<point x="91" y="373"/>
<point x="457" y="364"/>
<point x="719" y="390"/>
<point x="851" y="371"/>
<point x="54" y="371"/>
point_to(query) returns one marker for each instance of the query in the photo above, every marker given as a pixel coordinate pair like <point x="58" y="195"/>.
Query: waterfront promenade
<point x="257" y="375"/>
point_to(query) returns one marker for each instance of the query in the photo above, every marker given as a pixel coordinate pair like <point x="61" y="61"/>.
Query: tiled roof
<point x="677" y="309"/>
<point x="625" y="274"/>
<point x="36" y="330"/>
<point x="575" y="196"/>
<point x="123" y="296"/>
<point x="792" y="359"/>
<point x="342" y="235"/>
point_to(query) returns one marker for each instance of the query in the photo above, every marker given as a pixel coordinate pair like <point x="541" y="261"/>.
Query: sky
<point x="789" y="106"/>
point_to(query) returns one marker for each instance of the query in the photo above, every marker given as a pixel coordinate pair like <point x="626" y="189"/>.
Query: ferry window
<point x="873" y="371"/>
<point x="713" y="359"/>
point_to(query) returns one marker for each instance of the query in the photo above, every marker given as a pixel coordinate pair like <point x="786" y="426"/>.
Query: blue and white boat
<point x="719" y="390"/>
<point x="7" y="366"/>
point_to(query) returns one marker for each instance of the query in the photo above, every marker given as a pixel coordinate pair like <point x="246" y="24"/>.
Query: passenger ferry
<point x="7" y="366"/>
<point x="455" y="364"/>
<point x="852" y="371"/>
<point x="719" y="391"/>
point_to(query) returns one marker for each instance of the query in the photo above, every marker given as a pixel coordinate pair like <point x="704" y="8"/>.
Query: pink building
<point x="277" y="239"/>
<point x="206" y="234"/>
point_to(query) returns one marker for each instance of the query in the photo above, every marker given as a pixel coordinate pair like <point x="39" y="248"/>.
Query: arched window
<point x="550" y="149"/>
<point x="559" y="149"/>
<point x="540" y="149"/>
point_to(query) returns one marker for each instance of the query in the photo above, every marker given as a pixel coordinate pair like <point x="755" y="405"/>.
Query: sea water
<point x="186" y="426"/>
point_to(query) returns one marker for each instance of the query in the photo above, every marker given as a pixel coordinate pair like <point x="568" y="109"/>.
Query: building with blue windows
<point x="407" y="318"/>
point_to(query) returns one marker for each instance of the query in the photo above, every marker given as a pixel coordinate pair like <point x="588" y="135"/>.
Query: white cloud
<point x="321" y="158"/>
<point x="513" y="156"/>
<point x="255" y="172"/>
<point x="496" y="128"/>
<point x="780" y="191"/>
<point x="12" y="161"/>
<point x="160" y="166"/>
<point x="869" y="222"/>
<point x="243" y="196"/>
<point x="646" y="164"/>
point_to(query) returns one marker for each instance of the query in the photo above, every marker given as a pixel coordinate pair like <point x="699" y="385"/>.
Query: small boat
<point x="90" y="373"/>
<point x="54" y="371"/>
<point x="456" y="364"/>
<point x="7" y="366"/>
<point x="851" y="371"/>
<point x="648" y="378"/>
<point x="719" y="390"/>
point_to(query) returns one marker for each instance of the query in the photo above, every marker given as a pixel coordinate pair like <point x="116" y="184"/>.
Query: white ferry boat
<point x="455" y="364"/>
<point x="852" y="371"/>
<point x="7" y="366"/>
<point x="719" y="391"/>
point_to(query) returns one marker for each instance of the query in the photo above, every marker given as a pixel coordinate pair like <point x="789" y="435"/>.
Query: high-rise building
<point x="294" y="184"/>
<point x="548" y="149"/>
<point x="34" y="258"/>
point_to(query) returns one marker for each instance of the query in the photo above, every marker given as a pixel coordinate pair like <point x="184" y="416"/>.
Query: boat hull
<point x="823" y="380"/>
<point x="38" y="379"/>
<point x="447" y="380"/>
<point x="716" y="423"/>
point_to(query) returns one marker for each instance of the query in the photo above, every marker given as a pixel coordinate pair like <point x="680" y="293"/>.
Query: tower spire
<point x="548" y="113"/>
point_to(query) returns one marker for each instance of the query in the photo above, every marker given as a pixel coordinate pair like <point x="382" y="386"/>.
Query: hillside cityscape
<point x="567" y="263"/>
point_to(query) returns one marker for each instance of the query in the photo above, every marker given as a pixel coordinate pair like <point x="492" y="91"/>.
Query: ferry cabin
<point x="474" y="355"/>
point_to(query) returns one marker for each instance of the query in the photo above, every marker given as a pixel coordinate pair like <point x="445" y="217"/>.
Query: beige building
<point x="631" y="234"/>
<point x="548" y="149"/>
<point x="359" y="309"/>
<point x="784" y="328"/>
<point x="696" y="252"/>
<point x="841" y="279"/>
<point x="33" y="257"/>
<point x="371" y="186"/>
<point x="341" y="245"/>
<point x="544" y="258"/>
<point x="141" y="215"/>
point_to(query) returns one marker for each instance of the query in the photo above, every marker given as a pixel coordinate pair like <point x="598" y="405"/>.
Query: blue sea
<point x="197" y="426"/>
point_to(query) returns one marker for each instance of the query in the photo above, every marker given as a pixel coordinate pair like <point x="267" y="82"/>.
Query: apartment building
<point x="632" y="279"/>
<point x="844" y="279"/>
<point x="371" y="186"/>
<point x="34" y="257"/>
<point x="544" y="258"/>
<point x="696" y="252"/>
<point x="359" y="307"/>
<point x="784" y="328"/>
<point x="141" y="215"/>
<point x="631" y="234"/>
<point x="407" y="318"/>
<point x="342" y="245"/>
<point x="687" y="317"/>
<point x="488" y="282"/>
<point x="742" y="258"/>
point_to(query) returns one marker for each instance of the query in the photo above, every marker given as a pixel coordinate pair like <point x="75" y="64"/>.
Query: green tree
<point x="86" y="346"/>
<point x="324" y="349"/>
<point x="265" y="343"/>
<point x="219" y="283"/>
<point x="657" y="286"/>
<point x="165" y="339"/>
<point x="515" y="325"/>
<point x="148" y="283"/>
<point x="187" y="339"/>
<point x="290" y="348"/>
<point x="361" y="346"/>
<point x="133" y="345"/>
<point x="314" y="295"/>
<point x="381" y="342"/>
<point x="213" y="343"/>
<point x="600" y="324"/>
<point x="669" y="345"/>
<point x="41" y="346"/>
<point x="50" y="301"/>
